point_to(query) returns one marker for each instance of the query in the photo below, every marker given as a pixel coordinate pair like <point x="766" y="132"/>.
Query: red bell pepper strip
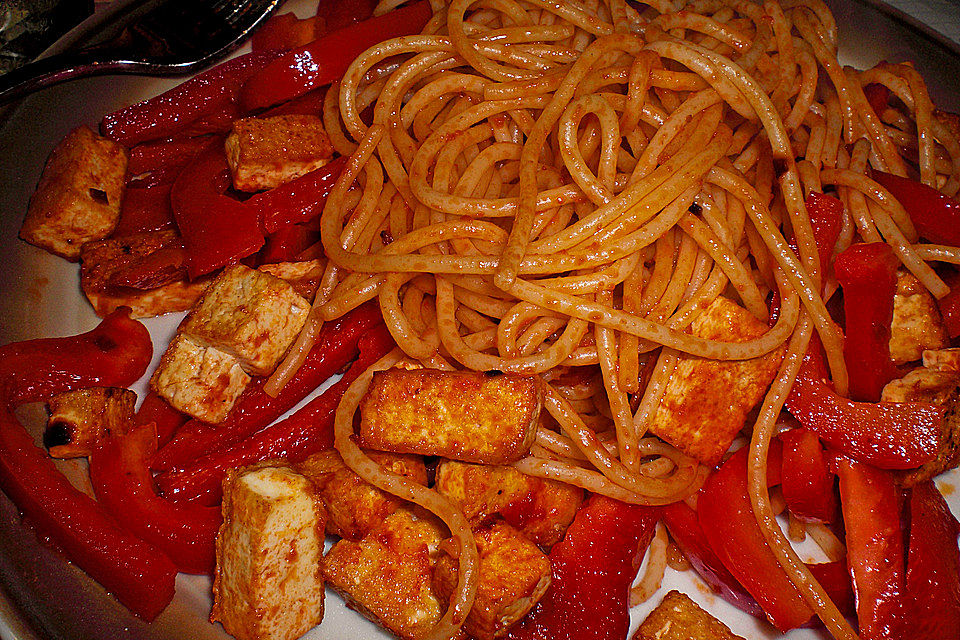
<point x="889" y="435"/>
<point x="933" y="567"/>
<point x="145" y="209"/>
<point x="115" y="353"/>
<point x="298" y="200"/>
<point x="593" y="567"/>
<point x="878" y="96"/>
<point x="808" y="484"/>
<point x="868" y="275"/>
<point x="871" y="505"/>
<point x="165" y="156"/>
<point x="935" y="215"/>
<point x="187" y="534"/>
<point x="217" y="230"/>
<point x="835" y="580"/>
<point x="324" y="60"/>
<point x="180" y="109"/>
<point x="727" y="518"/>
<point x="287" y="243"/>
<point x="309" y="104"/>
<point x="156" y="410"/>
<point x="286" y="31"/>
<point x="343" y="13"/>
<point x="307" y="431"/>
<point x="336" y="346"/>
<point x="949" y="305"/>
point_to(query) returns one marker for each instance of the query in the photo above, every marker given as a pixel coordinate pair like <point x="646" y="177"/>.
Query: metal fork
<point x="152" y="37"/>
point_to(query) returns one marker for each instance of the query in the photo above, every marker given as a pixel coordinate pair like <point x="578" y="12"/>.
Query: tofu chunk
<point x="268" y="584"/>
<point x="200" y="381"/>
<point x="513" y="575"/>
<point x="475" y="417"/>
<point x="82" y="418"/>
<point x="249" y="314"/>
<point x="266" y="152"/>
<point x="917" y="324"/>
<point x="541" y="509"/>
<point x="677" y="617"/>
<point x="354" y="506"/>
<point x="387" y="576"/>
<point x="304" y="276"/>
<point x="101" y="260"/>
<point x="78" y="196"/>
<point x="706" y="401"/>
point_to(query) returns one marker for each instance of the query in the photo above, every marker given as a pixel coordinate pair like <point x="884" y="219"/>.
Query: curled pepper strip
<point x="115" y="353"/>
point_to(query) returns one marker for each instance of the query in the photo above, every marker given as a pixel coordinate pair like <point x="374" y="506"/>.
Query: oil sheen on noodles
<point x="535" y="185"/>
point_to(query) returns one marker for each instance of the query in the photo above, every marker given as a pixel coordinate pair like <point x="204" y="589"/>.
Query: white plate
<point x="42" y="596"/>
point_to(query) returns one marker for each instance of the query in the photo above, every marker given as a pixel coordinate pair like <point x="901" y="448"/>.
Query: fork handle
<point x="53" y="70"/>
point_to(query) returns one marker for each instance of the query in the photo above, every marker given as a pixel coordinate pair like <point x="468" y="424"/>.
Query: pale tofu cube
<point x="354" y="506"/>
<point x="102" y="260"/>
<point x="82" y="418"/>
<point x="268" y="583"/>
<point x="942" y="359"/>
<point x="266" y="152"/>
<point x="917" y="324"/>
<point x="304" y="276"/>
<point x="706" y="402"/>
<point x="249" y="314"/>
<point x="922" y="385"/>
<point x="541" y="509"/>
<point x="200" y="381"/>
<point x="387" y="576"/>
<point x="475" y="417"/>
<point x="78" y="196"/>
<point x="513" y="575"/>
<point x="677" y="617"/>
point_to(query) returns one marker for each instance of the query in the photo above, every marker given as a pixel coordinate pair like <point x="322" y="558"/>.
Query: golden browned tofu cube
<point x="541" y="509"/>
<point x="102" y="260"/>
<point x="266" y="152"/>
<point x="677" y="617"/>
<point x="917" y="324"/>
<point x="200" y="381"/>
<point x="78" y="196"/>
<point x="942" y="359"/>
<point x="268" y="583"/>
<point x="513" y="576"/>
<point x="387" y="576"/>
<point x="354" y="506"/>
<point x="706" y="401"/>
<point x="80" y="419"/>
<point x="304" y="276"/>
<point x="476" y="417"/>
<point x="249" y="314"/>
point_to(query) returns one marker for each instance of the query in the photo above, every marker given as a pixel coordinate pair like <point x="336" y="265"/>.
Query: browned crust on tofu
<point x="304" y="276"/>
<point x="706" y="402"/>
<point x="266" y="152"/>
<point x="475" y="417"/>
<point x="917" y="324"/>
<point x="677" y="617"/>
<point x="78" y="196"/>
<point x="948" y="456"/>
<point x="84" y="417"/>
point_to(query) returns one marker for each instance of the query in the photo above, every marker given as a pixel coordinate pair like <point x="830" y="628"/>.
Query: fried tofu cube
<point x="387" y="576"/>
<point x="541" y="509"/>
<point x="266" y="152"/>
<point x="917" y="324"/>
<point x="354" y="506"/>
<point x="249" y="314"/>
<point x="942" y="359"/>
<point x="78" y="196"/>
<point x="706" y="401"/>
<point x="102" y="260"/>
<point x="513" y="575"/>
<point x="304" y="276"/>
<point x="475" y="417"/>
<point x="80" y="419"/>
<point x="268" y="583"/>
<point x="677" y="617"/>
<point x="200" y="381"/>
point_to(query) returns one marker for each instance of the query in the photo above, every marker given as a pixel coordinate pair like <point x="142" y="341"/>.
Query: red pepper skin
<point x="306" y="432"/>
<point x="835" y="580"/>
<point x="593" y="567"/>
<point x="309" y="104"/>
<point x="299" y="200"/>
<point x="871" y="505"/>
<point x="878" y="96"/>
<point x="324" y="60"/>
<point x="933" y="567"/>
<point x="145" y="209"/>
<point x="936" y="216"/>
<point x="156" y="410"/>
<point x="287" y="244"/>
<point x="343" y="13"/>
<point x="181" y="109"/>
<point x="889" y="435"/>
<point x="286" y="31"/>
<point x="187" y="534"/>
<point x="868" y="275"/>
<point x="115" y="353"/>
<point x="165" y="156"/>
<point x="808" y="484"/>
<point x="217" y="230"/>
<point x="949" y="305"/>
<point x="336" y="346"/>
